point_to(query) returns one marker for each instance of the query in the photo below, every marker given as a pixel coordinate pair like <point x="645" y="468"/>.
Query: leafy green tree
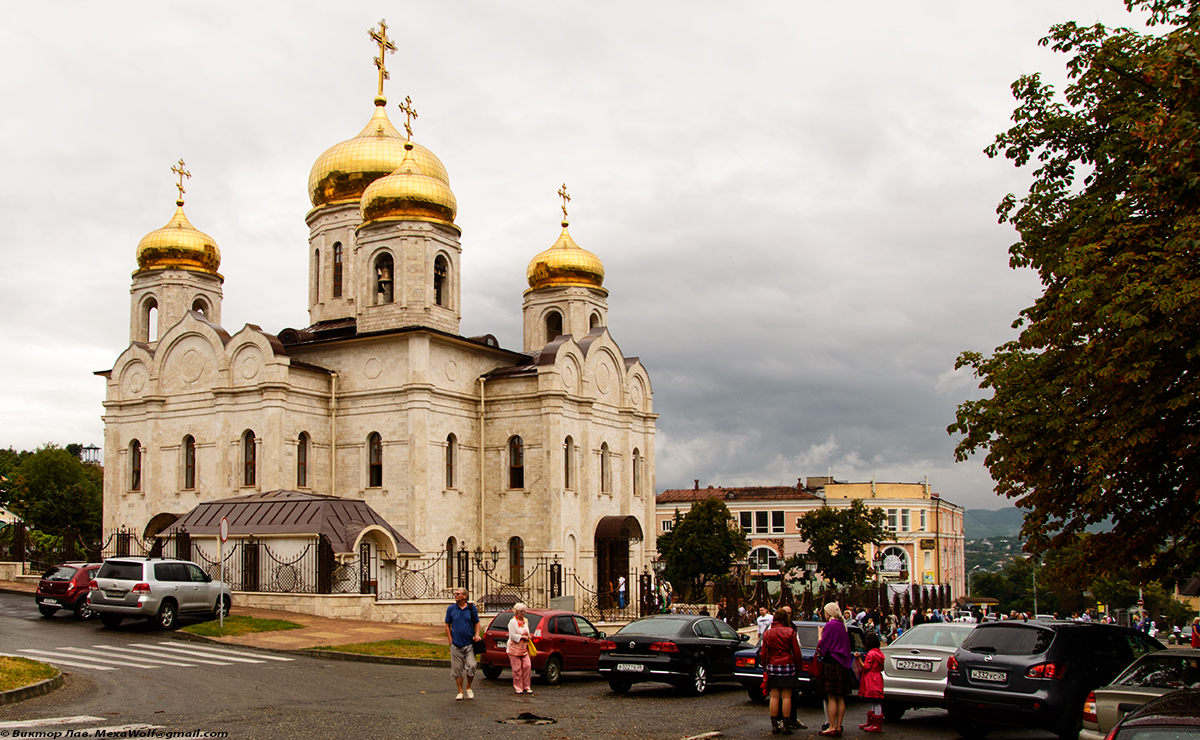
<point x="837" y="538"/>
<point x="1094" y="412"/>
<point x="53" y="490"/>
<point x="702" y="545"/>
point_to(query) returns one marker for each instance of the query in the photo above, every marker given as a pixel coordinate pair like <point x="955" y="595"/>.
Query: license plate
<point x="50" y="601"/>
<point x="914" y="665"/>
<point x="501" y="644"/>
<point x="115" y="594"/>
<point x="993" y="676"/>
<point x="629" y="667"/>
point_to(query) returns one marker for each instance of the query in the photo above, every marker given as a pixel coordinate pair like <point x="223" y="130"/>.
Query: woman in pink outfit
<point x="519" y="637"/>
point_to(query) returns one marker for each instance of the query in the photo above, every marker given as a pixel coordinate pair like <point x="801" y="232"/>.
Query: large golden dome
<point x="178" y="245"/>
<point x="408" y="194"/>
<point x="565" y="263"/>
<point x="345" y="170"/>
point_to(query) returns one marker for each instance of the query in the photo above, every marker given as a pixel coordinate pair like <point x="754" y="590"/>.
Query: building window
<point x="516" y="463"/>
<point x="135" y="465"/>
<point x="777" y="526"/>
<point x="451" y="459"/>
<point x="200" y="307"/>
<point x="554" y="325"/>
<point x="667" y="524"/>
<point x="637" y="473"/>
<point x="441" y="289"/>
<point x="923" y="525"/>
<point x="928" y="560"/>
<point x="891" y="519"/>
<point x="895" y="560"/>
<point x="763" y="558"/>
<point x="516" y="561"/>
<point x="905" y="520"/>
<point x="384" y="284"/>
<point x="594" y="321"/>
<point x="568" y="463"/>
<point x="605" y="469"/>
<point x="189" y="462"/>
<point x="249" y="459"/>
<point x="760" y="522"/>
<point x="375" y="460"/>
<point x="302" y="461"/>
<point x="747" y="521"/>
<point x="317" y="276"/>
<point x="337" y="269"/>
<point x="451" y="546"/>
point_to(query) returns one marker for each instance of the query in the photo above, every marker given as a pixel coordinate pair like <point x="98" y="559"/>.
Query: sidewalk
<point x="316" y="631"/>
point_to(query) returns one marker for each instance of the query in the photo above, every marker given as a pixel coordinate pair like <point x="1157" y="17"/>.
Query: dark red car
<point x="66" y="587"/>
<point x="565" y="641"/>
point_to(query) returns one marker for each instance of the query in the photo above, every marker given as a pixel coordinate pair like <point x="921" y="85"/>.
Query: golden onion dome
<point x="178" y="245"/>
<point x="408" y="194"/>
<point x="565" y="263"/>
<point x="345" y="170"/>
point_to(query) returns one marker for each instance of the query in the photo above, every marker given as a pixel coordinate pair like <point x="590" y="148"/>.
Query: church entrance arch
<point x="614" y="535"/>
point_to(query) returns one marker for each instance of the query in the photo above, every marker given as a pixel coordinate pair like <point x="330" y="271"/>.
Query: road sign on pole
<point x="221" y="595"/>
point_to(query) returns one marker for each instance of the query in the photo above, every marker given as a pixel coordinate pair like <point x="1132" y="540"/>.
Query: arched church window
<point x="316" y="276"/>
<point x="554" y="325"/>
<point x="451" y="459"/>
<point x="135" y="465"/>
<point x="516" y="561"/>
<point x="637" y="472"/>
<point x="605" y="469"/>
<point x="568" y="464"/>
<point x="375" y="460"/>
<point x="189" y="462"/>
<point x="895" y="560"/>
<point x="441" y="289"/>
<point x="302" y="460"/>
<point x="249" y="458"/>
<point x="451" y="546"/>
<point x="384" y="284"/>
<point x="594" y="321"/>
<point x="337" y="269"/>
<point x="763" y="558"/>
<point x="516" y="463"/>
<point x="148" y="320"/>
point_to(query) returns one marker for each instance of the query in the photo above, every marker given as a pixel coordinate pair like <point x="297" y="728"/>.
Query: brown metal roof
<point x="619" y="528"/>
<point x="756" y="493"/>
<point x="342" y="520"/>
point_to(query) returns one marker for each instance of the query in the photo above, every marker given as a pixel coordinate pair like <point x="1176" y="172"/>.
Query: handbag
<point x="532" y="649"/>
<point x="814" y="666"/>
<point x="479" y="647"/>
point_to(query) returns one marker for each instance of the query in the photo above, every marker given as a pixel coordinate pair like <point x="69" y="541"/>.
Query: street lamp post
<point x="977" y="567"/>
<point x="878" y="563"/>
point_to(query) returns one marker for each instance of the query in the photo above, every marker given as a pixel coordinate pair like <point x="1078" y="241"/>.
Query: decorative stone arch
<point x="552" y="323"/>
<point x="384" y="543"/>
<point x="383" y="277"/>
<point x="201" y="306"/>
<point x="158" y="523"/>
<point x="614" y="535"/>
<point x="442" y="285"/>
<point x="148" y="318"/>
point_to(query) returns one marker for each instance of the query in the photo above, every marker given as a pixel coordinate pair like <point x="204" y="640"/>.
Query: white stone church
<point x="454" y="441"/>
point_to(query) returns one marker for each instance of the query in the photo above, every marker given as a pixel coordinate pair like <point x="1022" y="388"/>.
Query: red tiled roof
<point x="756" y="493"/>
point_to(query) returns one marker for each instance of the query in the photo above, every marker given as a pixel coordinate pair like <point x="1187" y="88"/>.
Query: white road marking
<point x="54" y="659"/>
<point x="147" y="648"/>
<point x="208" y="649"/>
<point x="190" y="653"/>
<point x="51" y="721"/>
<point x="121" y="654"/>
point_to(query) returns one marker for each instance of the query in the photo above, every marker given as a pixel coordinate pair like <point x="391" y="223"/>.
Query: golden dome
<point x="179" y="245"/>
<point x="565" y="263"/>
<point x="409" y="194"/>
<point x="345" y="170"/>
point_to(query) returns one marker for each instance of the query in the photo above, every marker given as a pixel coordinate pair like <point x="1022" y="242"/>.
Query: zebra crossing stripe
<point x="56" y="660"/>
<point x="205" y="649"/>
<point x="190" y="653"/>
<point x="140" y="655"/>
<point x="144" y="649"/>
<point x="50" y="721"/>
<point x="121" y="654"/>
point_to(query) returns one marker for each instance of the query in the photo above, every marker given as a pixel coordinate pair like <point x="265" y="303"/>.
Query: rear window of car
<point x="653" y="627"/>
<point x="937" y="635"/>
<point x="500" y="623"/>
<point x="60" y="573"/>
<point x="121" y="571"/>
<point x="1009" y="640"/>
<point x="807" y="634"/>
<point x="1163" y="671"/>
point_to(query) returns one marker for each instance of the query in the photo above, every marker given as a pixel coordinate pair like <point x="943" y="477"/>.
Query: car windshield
<point x="1163" y="671"/>
<point x="652" y="628"/>
<point x="60" y="573"/>
<point x="1016" y="639"/>
<point x="120" y="570"/>
<point x="936" y="635"/>
<point x="500" y="623"/>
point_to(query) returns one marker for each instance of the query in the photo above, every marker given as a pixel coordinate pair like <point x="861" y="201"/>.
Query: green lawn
<point x="235" y="625"/>
<point x="18" y="672"/>
<point x="393" y="649"/>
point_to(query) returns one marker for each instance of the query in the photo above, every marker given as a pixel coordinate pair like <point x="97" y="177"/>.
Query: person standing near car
<point x="836" y="668"/>
<point x="462" y="631"/>
<point x="763" y="622"/>
<point x="1196" y="632"/>
<point x="780" y="653"/>
<point x="519" y="638"/>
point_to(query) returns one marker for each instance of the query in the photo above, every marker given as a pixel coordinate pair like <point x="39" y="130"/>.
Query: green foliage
<point x="837" y="538"/>
<point x="702" y="545"/>
<point x="1094" y="412"/>
<point x="52" y="490"/>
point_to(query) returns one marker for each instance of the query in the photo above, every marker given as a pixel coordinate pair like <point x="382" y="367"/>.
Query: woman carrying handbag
<point x="520" y="640"/>
<point x="780" y="655"/>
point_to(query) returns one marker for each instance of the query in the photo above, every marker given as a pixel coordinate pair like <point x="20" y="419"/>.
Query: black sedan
<point x="749" y="672"/>
<point x="682" y="650"/>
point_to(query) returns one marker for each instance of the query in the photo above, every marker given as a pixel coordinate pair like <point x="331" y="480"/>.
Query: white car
<point x="914" y="666"/>
<point x="156" y="589"/>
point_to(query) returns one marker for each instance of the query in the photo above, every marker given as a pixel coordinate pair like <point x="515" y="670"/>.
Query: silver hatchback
<point x="914" y="667"/>
<point x="155" y="589"/>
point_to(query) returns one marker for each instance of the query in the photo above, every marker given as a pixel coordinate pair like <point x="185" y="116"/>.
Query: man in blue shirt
<point x="462" y="630"/>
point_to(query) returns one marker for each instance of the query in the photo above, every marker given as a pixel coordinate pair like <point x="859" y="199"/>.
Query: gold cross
<point x="409" y="113"/>
<point x="385" y="46"/>
<point x="562" y="193"/>
<point x="182" y="174"/>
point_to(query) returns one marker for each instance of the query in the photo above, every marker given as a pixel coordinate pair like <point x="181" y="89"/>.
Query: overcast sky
<point x="795" y="215"/>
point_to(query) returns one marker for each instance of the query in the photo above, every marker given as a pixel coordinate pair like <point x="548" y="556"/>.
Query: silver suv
<point x="156" y="589"/>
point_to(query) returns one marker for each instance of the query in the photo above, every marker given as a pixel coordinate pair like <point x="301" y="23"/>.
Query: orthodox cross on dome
<point x="562" y="193"/>
<point x="385" y="46"/>
<point x="182" y="174"/>
<point x="409" y="114"/>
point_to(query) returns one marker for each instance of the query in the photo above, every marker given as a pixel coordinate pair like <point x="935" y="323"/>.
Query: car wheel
<point x="83" y="610"/>
<point x="756" y="694"/>
<point x="47" y="611"/>
<point x="491" y="671"/>
<point x="699" y="682"/>
<point x="619" y="687"/>
<point x="165" y="619"/>
<point x="893" y="711"/>
<point x="221" y="608"/>
<point x="969" y="730"/>
<point x="552" y="671"/>
<point x="111" y="620"/>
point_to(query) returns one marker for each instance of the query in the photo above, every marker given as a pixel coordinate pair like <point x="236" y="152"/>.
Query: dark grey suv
<point x="155" y="589"/>
<point x="1035" y="674"/>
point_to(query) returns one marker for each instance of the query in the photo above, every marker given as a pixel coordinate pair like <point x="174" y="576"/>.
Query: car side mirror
<point x="745" y="638"/>
<point x="603" y="635"/>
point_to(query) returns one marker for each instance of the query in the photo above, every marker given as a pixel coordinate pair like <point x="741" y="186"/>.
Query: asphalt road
<point x="193" y="687"/>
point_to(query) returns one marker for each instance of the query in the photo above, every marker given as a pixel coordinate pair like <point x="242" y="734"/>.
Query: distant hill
<point x="981" y="523"/>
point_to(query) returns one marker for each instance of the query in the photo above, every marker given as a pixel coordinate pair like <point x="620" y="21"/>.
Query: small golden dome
<point x="178" y="245"/>
<point x="345" y="170"/>
<point x="565" y="263"/>
<point x="408" y="194"/>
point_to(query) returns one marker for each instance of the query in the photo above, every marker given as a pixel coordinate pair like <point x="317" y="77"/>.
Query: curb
<point x="17" y="591"/>
<point x="324" y="654"/>
<point x="28" y="692"/>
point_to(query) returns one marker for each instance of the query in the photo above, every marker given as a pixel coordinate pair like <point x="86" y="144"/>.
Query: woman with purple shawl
<point x="837" y="672"/>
